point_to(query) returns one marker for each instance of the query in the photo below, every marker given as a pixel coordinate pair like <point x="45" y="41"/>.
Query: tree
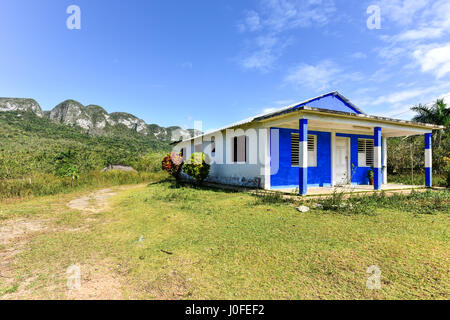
<point x="438" y="113"/>
<point x="197" y="167"/>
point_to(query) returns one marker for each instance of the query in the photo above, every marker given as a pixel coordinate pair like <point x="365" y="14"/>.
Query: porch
<point x="344" y="146"/>
<point x="351" y="189"/>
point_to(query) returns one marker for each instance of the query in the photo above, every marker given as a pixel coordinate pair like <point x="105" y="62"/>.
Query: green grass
<point x="199" y="243"/>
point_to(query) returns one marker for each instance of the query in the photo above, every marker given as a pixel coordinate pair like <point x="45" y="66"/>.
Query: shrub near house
<point x="197" y="167"/>
<point x="173" y="164"/>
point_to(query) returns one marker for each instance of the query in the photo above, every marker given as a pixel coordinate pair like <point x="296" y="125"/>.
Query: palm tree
<point x="438" y="113"/>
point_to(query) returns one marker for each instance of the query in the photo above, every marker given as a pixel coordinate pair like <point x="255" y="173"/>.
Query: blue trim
<point x="378" y="178"/>
<point x="377" y="137"/>
<point x="428" y="177"/>
<point x="303" y="171"/>
<point x="287" y="175"/>
<point x="303" y="181"/>
<point x="294" y="186"/>
<point x="427" y="140"/>
<point x="359" y="174"/>
<point x="283" y="175"/>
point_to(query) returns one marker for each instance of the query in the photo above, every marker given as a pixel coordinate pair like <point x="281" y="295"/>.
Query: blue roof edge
<point x="347" y="102"/>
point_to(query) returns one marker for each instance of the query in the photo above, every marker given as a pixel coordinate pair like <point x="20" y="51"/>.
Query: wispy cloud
<point x="402" y="12"/>
<point x="318" y="77"/>
<point x="398" y="104"/>
<point x="269" y="28"/>
<point x="425" y="23"/>
<point x="251" y="22"/>
<point x="266" y="50"/>
<point x="411" y="94"/>
<point x="282" y="15"/>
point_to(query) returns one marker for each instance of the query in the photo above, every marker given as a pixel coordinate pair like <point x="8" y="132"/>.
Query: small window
<point x="365" y="153"/>
<point x="312" y="150"/>
<point x="183" y="153"/>
<point x="240" y="149"/>
<point x="213" y="146"/>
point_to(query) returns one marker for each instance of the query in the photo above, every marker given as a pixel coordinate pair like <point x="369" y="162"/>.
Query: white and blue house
<point x="321" y="142"/>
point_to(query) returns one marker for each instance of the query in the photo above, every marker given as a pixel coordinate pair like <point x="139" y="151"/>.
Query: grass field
<point x="158" y="242"/>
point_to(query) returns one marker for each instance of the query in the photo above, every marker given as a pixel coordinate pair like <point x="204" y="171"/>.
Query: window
<point x="183" y="153"/>
<point x="213" y="146"/>
<point x="365" y="153"/>
<point x="312" y="150"/>
<point x="240" y="149"/>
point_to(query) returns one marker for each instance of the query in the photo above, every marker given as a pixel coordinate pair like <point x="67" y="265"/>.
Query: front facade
<point x="325" y="141"/>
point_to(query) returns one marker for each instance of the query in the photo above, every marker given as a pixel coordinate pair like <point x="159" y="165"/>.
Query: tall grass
<point x="48" y="184"/>
<point x="418" y="179"/>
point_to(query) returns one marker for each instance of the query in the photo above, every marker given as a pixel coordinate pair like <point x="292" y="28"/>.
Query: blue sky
<point x="172" y="62"/>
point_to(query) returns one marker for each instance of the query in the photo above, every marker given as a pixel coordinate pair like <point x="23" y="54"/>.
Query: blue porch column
<point x="303" y="156"/>
<point x="377" y="170"/>
<point x="428" y="161"/>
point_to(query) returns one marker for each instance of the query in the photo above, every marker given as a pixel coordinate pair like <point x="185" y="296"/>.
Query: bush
<point x="197" y="168"/>
<point x="172" y="164"/>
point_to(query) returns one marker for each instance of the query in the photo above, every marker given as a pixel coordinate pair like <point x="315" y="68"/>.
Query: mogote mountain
<point x="93" y="119"/>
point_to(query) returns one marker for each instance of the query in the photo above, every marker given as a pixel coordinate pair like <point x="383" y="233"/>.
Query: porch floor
<point x="314" y="191"/>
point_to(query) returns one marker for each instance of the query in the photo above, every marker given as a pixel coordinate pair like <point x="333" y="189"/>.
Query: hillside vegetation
<point x="39" y="156"/>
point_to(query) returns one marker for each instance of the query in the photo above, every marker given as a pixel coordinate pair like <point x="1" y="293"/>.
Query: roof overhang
<point x="332" y="120"/>
<point x="335" y="120"/>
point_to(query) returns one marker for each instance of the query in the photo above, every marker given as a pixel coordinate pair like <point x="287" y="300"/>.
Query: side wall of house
<point x="251" y="173"/>
<point x="320" y="175"/>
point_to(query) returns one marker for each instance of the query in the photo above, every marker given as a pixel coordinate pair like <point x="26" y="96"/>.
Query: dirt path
<point x="94" y="202"/>
<point x="98" y="281"/>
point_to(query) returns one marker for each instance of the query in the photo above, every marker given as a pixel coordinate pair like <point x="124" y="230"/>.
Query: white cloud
<point x="318" y="77"/>
<point x="435" y="59"/>
<point x="422" y="21"/>
<point x="423" y="93"/>
<point x="271" y="24"/>
<point x="419" y="34"/>
<point x="446" y="98"/>
<point x="281" y="15"/>
<point x="252" y="22"/>
<point x="402" y="109"/>
<point x="400" y="96"/>
<point x="402" y="12"/>
<point x="267" y="50"/>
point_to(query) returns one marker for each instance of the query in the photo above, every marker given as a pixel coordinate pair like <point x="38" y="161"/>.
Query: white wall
<point x="252" y="173"/>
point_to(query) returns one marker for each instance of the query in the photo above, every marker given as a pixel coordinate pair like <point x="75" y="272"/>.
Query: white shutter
<point x="365" y="153"/>
<point x="369" y="153"/>
<point x="361" y="153"/>
<point x="312" y="150"/>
